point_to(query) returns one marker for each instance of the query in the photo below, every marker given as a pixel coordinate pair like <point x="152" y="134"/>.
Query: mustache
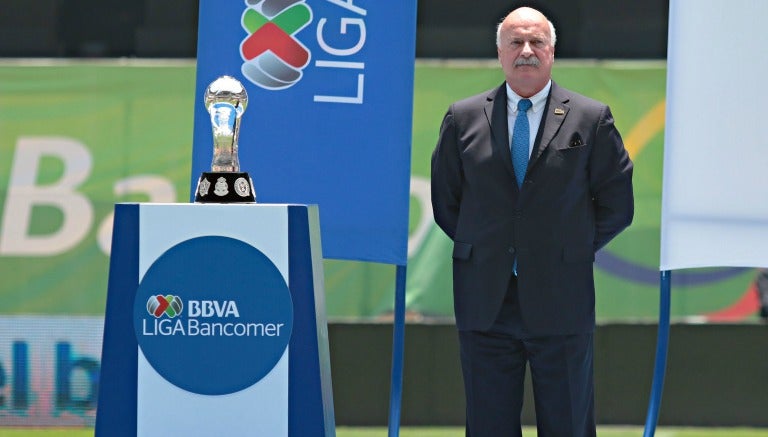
<point x="533" y="60"/>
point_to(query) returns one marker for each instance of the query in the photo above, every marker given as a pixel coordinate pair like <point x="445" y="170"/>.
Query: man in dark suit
<point x="529" y="180"/>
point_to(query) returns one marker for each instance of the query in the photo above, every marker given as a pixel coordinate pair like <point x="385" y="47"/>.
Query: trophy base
<point x="225" y="187"/>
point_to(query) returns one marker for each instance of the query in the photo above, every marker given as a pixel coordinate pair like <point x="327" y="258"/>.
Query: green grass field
<point x="448" y="432"/>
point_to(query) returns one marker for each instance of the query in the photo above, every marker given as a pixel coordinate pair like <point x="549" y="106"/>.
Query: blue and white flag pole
<point x="398" y="346"/>
<point x="662" y="343"/>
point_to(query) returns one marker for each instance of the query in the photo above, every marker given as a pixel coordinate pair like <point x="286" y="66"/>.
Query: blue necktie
<point x="520" y="140"/>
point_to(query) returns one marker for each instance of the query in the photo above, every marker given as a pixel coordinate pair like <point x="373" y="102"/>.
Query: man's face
<point x="526" y="53"/>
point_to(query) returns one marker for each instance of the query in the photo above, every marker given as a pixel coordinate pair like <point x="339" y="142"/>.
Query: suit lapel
<point x="555" y="112"/>
<point x="496" y="113"/>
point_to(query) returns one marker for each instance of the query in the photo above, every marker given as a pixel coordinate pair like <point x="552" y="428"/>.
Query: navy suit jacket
<point x="576" y="196"/>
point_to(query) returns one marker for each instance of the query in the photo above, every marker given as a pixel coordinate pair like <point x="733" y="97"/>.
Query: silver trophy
<point x="225" y="100"/>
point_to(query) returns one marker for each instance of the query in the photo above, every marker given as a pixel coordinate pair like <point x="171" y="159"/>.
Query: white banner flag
<point x="714" y="202"/>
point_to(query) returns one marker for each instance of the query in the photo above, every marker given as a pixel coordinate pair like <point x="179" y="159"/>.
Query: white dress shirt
<point x="538" y="100"/>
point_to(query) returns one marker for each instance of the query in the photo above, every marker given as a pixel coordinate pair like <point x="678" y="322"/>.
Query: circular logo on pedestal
<point x="213" y="315"/>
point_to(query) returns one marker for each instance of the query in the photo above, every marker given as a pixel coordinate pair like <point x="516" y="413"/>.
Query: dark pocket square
<point x="576" y="141"/>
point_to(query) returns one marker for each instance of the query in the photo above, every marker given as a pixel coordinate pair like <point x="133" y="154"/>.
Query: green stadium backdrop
<point x="75" y="138"/>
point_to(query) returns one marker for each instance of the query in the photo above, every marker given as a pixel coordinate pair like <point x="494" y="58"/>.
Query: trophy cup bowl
<point x="225" y="100"/>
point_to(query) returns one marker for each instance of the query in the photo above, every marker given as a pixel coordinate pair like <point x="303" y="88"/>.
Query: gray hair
<point x="552" y="34"/>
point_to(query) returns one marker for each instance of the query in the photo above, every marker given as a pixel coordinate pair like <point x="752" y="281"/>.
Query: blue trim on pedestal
<point x="119" y="354"/>
<point x="305" y="403"/>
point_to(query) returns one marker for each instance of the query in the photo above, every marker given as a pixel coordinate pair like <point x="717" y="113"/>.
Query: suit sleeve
<point x="610" y="182"/>
<point x="446" y="177"/>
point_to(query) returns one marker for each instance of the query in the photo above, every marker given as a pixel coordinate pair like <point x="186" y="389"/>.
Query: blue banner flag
<point x="328" y="121"/>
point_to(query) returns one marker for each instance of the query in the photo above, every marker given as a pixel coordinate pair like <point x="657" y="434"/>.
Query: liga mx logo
<point x="169" y="305"/>
<point x="274" y="58"/>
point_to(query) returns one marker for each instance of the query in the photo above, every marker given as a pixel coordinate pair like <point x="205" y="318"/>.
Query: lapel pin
<point x="559" y="111"/>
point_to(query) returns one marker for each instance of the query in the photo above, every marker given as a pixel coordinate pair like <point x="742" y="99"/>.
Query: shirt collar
<point x="538" y="100"/>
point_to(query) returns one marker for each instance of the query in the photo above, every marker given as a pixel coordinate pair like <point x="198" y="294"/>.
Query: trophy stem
<point x="225" y="122"/>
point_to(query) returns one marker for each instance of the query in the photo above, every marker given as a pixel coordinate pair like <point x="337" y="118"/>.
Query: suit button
<point x="511" y="250"/>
